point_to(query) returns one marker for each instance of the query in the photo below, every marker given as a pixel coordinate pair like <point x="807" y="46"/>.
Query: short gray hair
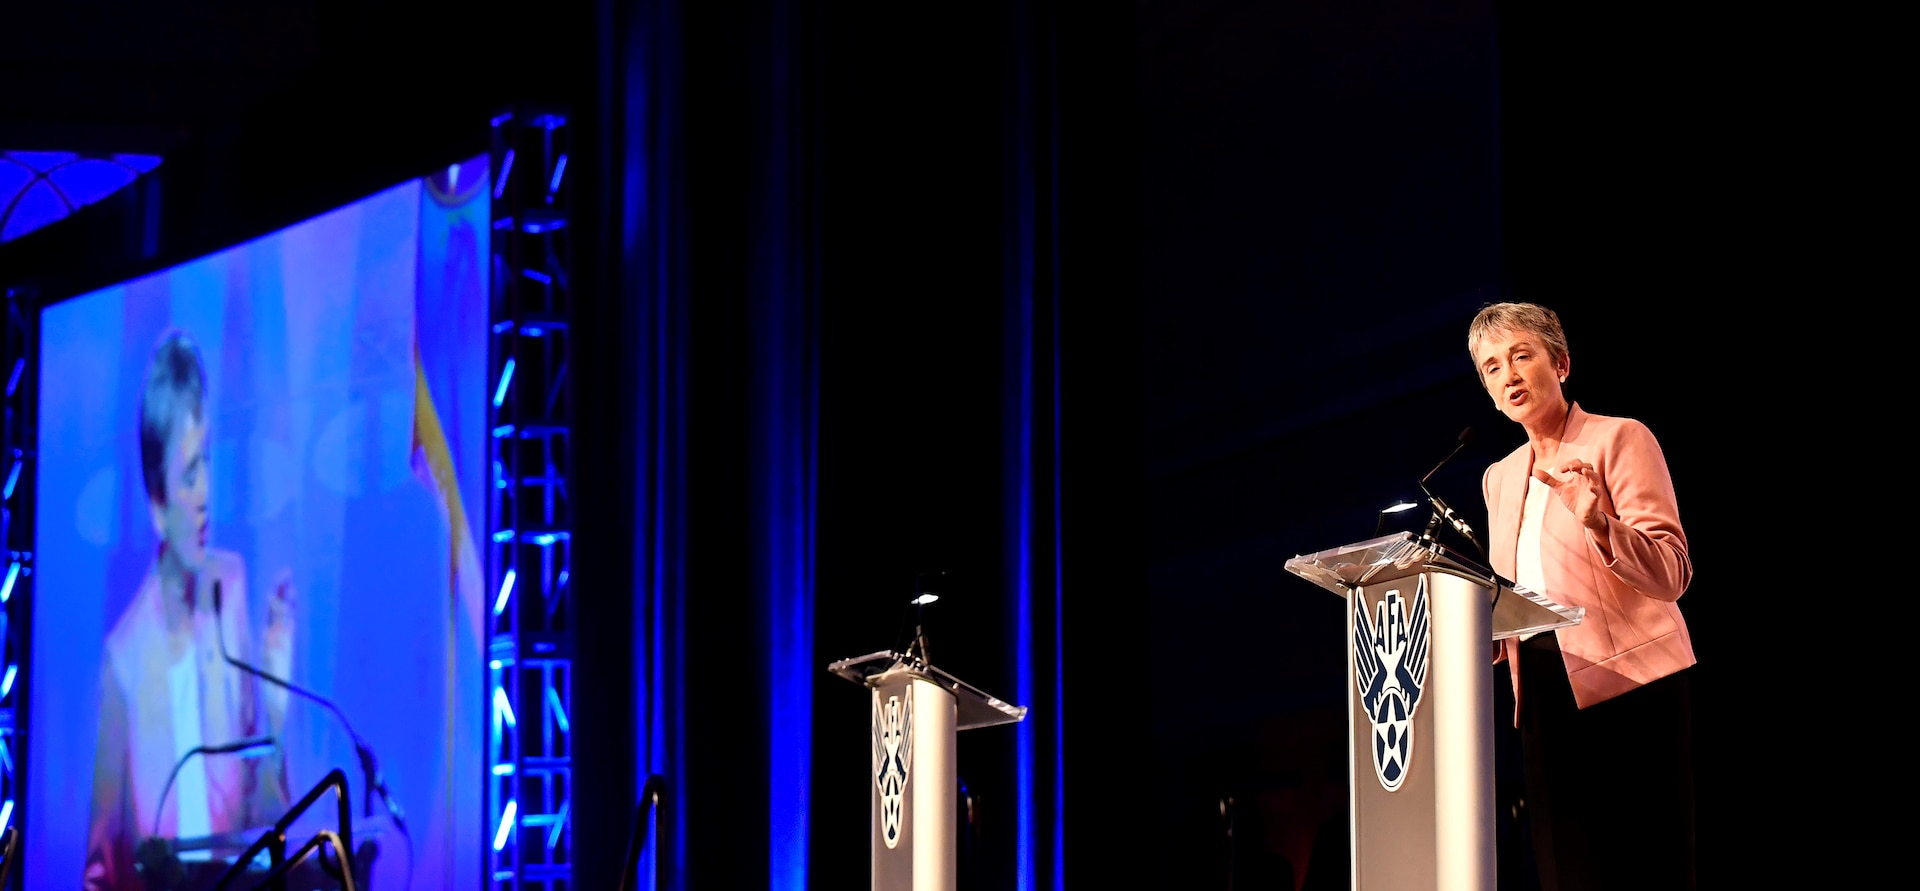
<point x="1530" y="318"/>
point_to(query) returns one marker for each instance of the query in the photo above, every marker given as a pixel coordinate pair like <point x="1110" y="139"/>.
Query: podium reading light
<point x="923" y="594"/>
<point x="919" y="642"/>
<point x="1398" y="507"/>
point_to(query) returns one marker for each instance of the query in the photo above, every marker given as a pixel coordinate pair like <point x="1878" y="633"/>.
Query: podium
<point x="917" y="710"/>
<point x="1420" y="622"/>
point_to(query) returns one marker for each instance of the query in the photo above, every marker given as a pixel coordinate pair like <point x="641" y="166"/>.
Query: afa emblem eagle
<point x="892" y="759"/>
<point x="1390" y="671"/>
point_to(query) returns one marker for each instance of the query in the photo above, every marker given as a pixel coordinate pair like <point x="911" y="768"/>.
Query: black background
<point x="1278" y="220"/>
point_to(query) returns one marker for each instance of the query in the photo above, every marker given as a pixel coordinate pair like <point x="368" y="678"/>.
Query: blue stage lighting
<point x="503" y="708"/>
<point x="506" y="590"/>
<point x="40" y="188"/>
<point x="500" y="179"/>
<point x="506" y="825"/>
<point x="530" y="775"/>
<point x="500" y="391"/>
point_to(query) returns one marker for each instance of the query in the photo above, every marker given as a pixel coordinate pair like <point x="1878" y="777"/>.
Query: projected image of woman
<point x="164" y="686"/>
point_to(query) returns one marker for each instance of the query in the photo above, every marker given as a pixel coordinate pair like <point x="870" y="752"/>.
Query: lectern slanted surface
<point x="1348" y="566"/>
<point x="1516" y="610"/>
<point x="976" y="708"/>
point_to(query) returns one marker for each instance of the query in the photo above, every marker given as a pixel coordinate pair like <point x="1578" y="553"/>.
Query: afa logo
<point x="892" y="759"/>
<point x="1390" y="671"/>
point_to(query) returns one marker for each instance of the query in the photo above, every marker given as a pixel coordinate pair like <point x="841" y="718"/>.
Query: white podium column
<point x="917" y="712"/>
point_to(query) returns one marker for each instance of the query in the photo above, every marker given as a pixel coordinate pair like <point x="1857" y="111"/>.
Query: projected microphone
<point x="1441" y="510"/>
<point x="246" y="747"/>
<point x="369" y="767"/>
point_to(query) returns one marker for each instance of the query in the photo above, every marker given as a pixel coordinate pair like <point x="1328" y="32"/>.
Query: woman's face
<point x="182" y="520"/>
<point x="1521" y="377"/>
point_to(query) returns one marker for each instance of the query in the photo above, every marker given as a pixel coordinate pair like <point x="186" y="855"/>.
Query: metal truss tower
<point x="531" y="620"/>
<point x="17" y="444"/>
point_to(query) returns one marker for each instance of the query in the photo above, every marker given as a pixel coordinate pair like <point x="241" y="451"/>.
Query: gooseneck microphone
<point x="1441" y="510"/>
<point x="369" y="766"/>
<point x="245" y="747"/>
<point x="1466" y="436"/>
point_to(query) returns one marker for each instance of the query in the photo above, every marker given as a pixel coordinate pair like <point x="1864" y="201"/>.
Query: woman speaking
<point x="1584" y="513"/>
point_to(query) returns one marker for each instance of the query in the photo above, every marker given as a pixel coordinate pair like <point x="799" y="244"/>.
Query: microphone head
<point x="216" y="597"/>
<point x="1466" y="436"/>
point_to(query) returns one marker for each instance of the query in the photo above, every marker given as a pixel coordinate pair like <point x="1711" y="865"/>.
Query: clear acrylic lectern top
<point x="1516" y="610"/>
<point x="976" y="708"/>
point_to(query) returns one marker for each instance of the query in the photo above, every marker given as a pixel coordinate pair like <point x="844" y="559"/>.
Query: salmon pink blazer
<point x="1633" y="632"/>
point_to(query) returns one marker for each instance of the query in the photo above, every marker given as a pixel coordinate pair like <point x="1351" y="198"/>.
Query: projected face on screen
<point x="173" y="453"/>
<point x="258" y="467"/>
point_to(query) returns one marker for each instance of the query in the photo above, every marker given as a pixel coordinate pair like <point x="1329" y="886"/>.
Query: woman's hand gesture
<point x="1578" y="485"/>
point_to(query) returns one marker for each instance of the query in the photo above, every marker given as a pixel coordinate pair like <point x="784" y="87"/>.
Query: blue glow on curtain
<point x="1033" y="297"/>
<point x="786" y="401"/>
<point x="1021" y="403"/>
<point x="1059" y="858"/>
<point x="786" y="470"/>
<point x="1057" y="470"/>
<point x="1022" y="271"/>
<point x="639" y="50"/>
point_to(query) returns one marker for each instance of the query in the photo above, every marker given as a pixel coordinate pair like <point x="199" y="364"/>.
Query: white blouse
<point x="1526" y="557"/>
